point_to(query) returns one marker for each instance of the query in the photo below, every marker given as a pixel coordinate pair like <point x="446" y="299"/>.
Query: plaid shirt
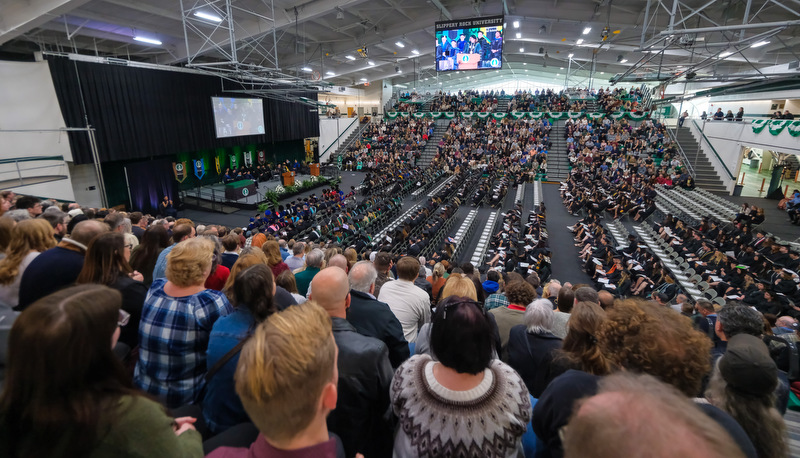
<point x="496" y="300"/>
<point x="173" y="339"/>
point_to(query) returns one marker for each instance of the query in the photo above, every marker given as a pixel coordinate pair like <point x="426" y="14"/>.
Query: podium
<point x="288" y="178"/>
<point x="239" y="189"/>
<point x="468" y="61"/>
<point x="314" y="168"/>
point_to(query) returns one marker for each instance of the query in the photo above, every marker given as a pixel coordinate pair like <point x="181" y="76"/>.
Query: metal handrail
<point x="683" y="153"/>
<point x="356" y="119"/>
<point x="703" y="136"/>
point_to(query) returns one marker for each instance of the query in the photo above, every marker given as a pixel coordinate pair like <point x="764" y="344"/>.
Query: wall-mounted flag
<point x="233" y="161"/>
<point x="248" y="158"/>
<point x="199" y="169"/>
<point x="216" y="162"/>
<point x="179" y="169"/>
<point x="262" y="157"/>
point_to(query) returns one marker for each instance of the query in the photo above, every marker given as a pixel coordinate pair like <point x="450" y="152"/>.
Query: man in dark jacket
<point x="373" y="318"/>
<point x="364" y="373"/>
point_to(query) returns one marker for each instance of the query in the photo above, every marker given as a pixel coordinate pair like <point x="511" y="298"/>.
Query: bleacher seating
<point x="483" y="242"/>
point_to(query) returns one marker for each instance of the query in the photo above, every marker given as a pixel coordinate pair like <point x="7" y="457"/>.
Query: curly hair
<point x="520" y="293"/>
<point x="643" y="337"/>
<point x="580" y="346"/>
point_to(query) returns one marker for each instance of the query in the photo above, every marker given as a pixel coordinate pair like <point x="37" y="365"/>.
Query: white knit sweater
<point x="486" y="421"/>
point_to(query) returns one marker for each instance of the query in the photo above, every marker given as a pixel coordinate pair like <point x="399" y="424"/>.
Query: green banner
<point x="596" y="115"/>
<point x="759" y="125"/>
<point x="392" y="114"/>
<point x="776" y="126"/>
<point x="617" y="115"/>
<point x="483" y="114"/>
<point x="555" y="115"/>
<point x="436" y="114"/>
<point x="450" y="114"/>
<point x="636" y="117"/>
<point x="794" y="129"/>
<point x="574" y="114"/>
<point x="467" y="114"/>
<point x="535" y="115"/>
<point x="419" y="115"/>
<point x="404" y="114"/>
<point x="518" y="114"/>
<point x="499" y="115"/>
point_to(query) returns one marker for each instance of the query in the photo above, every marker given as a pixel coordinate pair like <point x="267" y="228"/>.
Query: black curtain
<point x="142" y="113"/>
<point x="149" y="182"/>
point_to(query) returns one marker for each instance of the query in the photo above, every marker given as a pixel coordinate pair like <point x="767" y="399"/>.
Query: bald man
<point x="364" y="373"/>
<point x="338" y="260"/>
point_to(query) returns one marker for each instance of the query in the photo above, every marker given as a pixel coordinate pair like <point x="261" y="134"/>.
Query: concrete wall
<point x="330" y="130"/>
<point x="29" y="119"/>
<point x="729" y="138"/>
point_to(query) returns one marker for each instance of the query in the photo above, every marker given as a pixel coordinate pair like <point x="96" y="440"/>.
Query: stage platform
<point x="212" y="197"/>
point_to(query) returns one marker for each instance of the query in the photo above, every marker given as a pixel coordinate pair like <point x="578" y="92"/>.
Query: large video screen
<point x="469" y="44"/>
<point x="235" y="117"/>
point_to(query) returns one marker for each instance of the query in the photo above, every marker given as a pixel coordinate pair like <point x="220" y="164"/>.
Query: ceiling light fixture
<point x="725" y="54"/>
<point x="363" y="79"/>
<point x="339" y="15"/>
<point x="152" y="41"/>
<point x="519" y="34"/>
<point x="570" y="55"/>
<point x="349" y="57"/>
<point x="371" y="63"/>
<point x="521" y="49"/>
<point x="760" y="44"/>
<point x="587" y="30"/>
<point x="330" y="73"/>
<point x="400" y="44"/>
<point x="623" y="61"/>
<point x="207" y="16"/>
<point x="516" y="24"/>
<point x="306" y="69"/>
<point x="580" y="41"/>
<point x="415" y="52"/>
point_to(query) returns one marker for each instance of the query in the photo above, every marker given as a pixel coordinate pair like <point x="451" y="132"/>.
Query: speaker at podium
<point x="468" y="61"/>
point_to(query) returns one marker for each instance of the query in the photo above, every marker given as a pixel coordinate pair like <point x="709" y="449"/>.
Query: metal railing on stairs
<point x="673" y="136"/>
<point x="703" y="138"/>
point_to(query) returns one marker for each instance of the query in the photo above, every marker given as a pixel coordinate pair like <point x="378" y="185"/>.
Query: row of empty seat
<point x="520" y="193"/>
<point x="483" y="242"/>
<point x="716" y="207"/>
<point x="537" y="194"/>
<point x="464" y="232"/>
<point x="684" y="274"/>
<point x="378" y="239"/>
<point x="674" y="206"/>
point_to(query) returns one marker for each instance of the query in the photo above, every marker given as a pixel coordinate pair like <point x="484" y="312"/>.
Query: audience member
<point x="29" y="239"/>
<point x="410" y="304"/>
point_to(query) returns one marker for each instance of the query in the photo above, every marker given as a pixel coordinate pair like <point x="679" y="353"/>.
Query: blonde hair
<point x="243" y="262"/>
<point x="438" y="271"/>
<point x="273" y="251"/>
<point x="459" y="285"/>
<point x="352" y="257"/>
<point x="190" y="261"/>
<point x="28" y="235"/>
<point x="284" y="368"/>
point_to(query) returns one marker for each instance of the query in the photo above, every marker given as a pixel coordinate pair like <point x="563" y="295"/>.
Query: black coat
<point x="373" y="318"/>
<point x="360" y="418"/>
<point x="531" y="355"/>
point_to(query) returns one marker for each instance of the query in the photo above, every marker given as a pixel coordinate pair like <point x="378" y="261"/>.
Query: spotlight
<point x="516" y="24"/>
<point x="340" y="15"/>
<point x="587" y="30"/>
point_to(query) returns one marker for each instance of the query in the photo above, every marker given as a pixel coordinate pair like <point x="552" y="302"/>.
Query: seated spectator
<point x="286" y="379"/>
<point x="743" y="384"/>
<point x="106" y="264"/>
<point x="364" y="373"/>
<point x="144" y="256"/>
<point x="296" y="260"/>
<point x="532" y="346"/>
<point x="251" y="297"/>
<point x="520" y="294"/>
<point x="67" y="394"/>
<point x="219" y="274"/>
<point x="29" y="239"/>
<point x="445" y="407"/>
<point x="251" y="257"/>
<point x="371" y="317"/>
<point x="274" y="258"/>
<point x="602" y="424"/>
<point x="177" y="318"/>
<point x="409" y="303"/>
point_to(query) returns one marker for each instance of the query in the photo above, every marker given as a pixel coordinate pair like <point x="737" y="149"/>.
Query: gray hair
<point x="740" y="319"/>
<point x="127" y="226"/>
<point x="298" y="248"/>
<point x="18" y="214"/>
<point x="539" y="316"/>
<point x="362" y="276"/>
<point x="314" y="258"/>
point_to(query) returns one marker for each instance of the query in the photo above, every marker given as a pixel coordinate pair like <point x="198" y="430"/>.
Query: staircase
<point x="591" y="106"/>
<point x="349" y="140"/>
<point x="557" y="161"/>
<point x="502" y="104"/>
<point x="706" y="176"/>
<point x="432" y="147"/>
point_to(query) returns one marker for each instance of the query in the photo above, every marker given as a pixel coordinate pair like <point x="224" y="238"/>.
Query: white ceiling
<point x="319" y="34"/>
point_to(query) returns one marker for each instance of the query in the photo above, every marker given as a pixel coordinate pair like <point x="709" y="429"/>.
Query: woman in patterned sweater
<point x="466" y="403"/>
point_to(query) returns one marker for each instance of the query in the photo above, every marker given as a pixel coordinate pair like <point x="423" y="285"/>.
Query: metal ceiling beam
<point x="445" y="12"/>
<point x="20" y="17"/>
